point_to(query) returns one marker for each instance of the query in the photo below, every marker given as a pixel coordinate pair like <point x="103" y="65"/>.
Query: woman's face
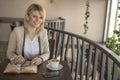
<point x="35" y="19"/>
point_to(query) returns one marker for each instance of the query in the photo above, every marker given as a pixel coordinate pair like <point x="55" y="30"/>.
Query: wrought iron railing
<point x="87" y="59"/>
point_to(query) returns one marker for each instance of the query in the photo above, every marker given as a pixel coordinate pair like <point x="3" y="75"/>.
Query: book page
<point x="11" y="68"/>
<point x="29" y="69"/>
<point x="24" y="68"/>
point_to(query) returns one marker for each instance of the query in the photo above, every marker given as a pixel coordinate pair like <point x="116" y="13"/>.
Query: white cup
<point x="54" y="63"/>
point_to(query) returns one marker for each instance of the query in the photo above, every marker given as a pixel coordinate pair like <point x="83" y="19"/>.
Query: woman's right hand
<point x="19" y="59"/>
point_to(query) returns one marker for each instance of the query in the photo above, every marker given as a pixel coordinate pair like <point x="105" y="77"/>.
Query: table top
<point x="64" y="73"/>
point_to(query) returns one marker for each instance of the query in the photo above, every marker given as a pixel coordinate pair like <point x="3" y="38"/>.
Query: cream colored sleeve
<point x="46" y="53"/>
<point x="12" y="45"/>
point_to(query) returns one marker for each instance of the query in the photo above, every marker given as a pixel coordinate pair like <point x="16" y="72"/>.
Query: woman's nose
<point x="37" y="19"/>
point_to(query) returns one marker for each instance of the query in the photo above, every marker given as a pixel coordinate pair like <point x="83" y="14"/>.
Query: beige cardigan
<point x="15" y="43"/>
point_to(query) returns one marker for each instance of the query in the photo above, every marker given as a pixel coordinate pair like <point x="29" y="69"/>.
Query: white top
<point x="31" y="48"/>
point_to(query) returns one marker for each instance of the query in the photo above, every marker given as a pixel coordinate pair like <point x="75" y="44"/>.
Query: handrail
<point x="103" y="61"/>
<point x="9" y="19"/>
<point x="104" y="49"/>
<point x="86" y="58"/>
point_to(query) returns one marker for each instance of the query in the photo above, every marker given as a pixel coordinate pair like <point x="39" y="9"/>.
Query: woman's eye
<point x="34" y="16"/>
<point x="41" y="17"/>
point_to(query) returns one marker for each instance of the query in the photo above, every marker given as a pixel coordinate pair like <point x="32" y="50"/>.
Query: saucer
<point x="57" y="68"/>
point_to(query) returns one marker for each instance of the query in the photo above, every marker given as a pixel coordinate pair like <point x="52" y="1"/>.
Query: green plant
<point x="113" y="42"/>
<point x="87" y="15"/>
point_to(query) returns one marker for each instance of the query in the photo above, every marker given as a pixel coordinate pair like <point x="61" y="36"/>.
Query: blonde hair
<point x="34" y="7"/>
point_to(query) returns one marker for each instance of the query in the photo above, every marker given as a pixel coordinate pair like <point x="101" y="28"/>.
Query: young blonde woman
<point x="30" y="42"/>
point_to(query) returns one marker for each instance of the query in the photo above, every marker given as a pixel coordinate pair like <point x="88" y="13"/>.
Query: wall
<point x="72" y="10"/>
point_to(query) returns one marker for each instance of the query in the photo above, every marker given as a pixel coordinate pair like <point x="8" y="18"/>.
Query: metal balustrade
<point x="87" y="59"/>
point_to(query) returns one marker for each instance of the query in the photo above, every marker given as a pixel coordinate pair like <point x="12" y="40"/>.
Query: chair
<point x="16" y="24"/>
<point x="51" y="47"/>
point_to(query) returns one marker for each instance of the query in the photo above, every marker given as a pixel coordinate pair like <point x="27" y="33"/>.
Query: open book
<point x="24" y="68"/>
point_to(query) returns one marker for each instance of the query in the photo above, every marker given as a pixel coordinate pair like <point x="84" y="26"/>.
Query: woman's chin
<point x="36" y="26"/>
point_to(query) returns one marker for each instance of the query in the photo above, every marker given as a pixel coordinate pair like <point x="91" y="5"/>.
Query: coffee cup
<point x="54" y="63"/>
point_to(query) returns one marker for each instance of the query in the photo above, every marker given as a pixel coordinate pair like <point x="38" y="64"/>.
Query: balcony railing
<point x="87" y="59"/>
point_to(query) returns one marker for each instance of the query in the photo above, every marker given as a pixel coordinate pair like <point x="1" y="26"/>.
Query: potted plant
<point x="113" y="42"/>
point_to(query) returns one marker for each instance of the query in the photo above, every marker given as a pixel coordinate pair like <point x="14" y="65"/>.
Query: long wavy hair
<point x="41" y="10"/>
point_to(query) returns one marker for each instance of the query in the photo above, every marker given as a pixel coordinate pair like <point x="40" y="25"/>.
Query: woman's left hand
<point x="36" y="61"/>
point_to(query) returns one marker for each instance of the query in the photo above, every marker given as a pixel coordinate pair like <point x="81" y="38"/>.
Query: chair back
<point x="16" y="24"/>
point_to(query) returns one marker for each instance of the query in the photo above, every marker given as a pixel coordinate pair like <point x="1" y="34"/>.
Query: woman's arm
<point x="46" y="53"/>
<point x="12" y="43"/>
<point x="12" y="48"/>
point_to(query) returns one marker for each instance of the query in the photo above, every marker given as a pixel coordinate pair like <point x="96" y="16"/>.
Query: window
<point x="113" y="17"/>
<point x="112" y="20"/>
